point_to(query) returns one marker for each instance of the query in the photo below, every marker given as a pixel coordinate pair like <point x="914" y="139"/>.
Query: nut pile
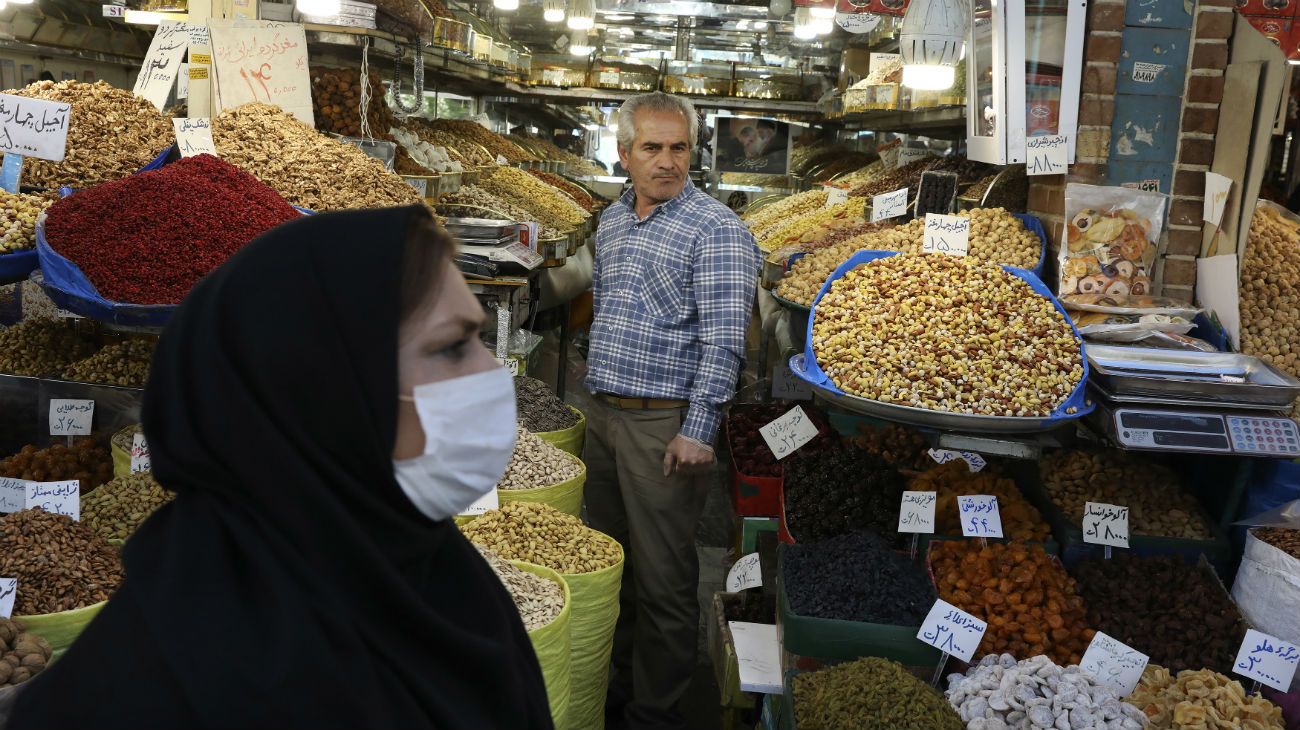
<point x="540" y="534"/>
<point x="60" y="564"/>
<point x="780" y="212"/>
<point x="1000" y="692"/>
<point x="981" y="186"/>
<point x="474" y="132"/>
<point x="430" y="157"/>
<point x="1031" y="605"/>
<point x="115" y="510"/>
<point x="856" y="577"/>
<point x="948" y="334"/>
<point x="1201" y="700"/>
<point x="539" y="409"/>
<point x="1270" y="303"/>
<point x="473" y="195"/>
<point x="1020" y="519"/>
<point x="1281" y="538"/>
<point x="535" y="463"/>
<point x="1157" y="503"/>
<point x="22" y="655"/>
<point x="468" y="153"/>
<point x="113" y="133"/>
<point x="841" y="231"/>
<point x="41" y="348"/>
<point x="18" y="213"/>
<point x="903" y="447"/>
<point x="861" y="175"/>
<point x="547" y="204"/>
<point x="869" y="694"/>
<point x="85" y="461"/>
<point x="813" y="225"/>
<point x="336" y="102"/>
<point x="309" y="169"/>
<point x="538" y="600"/>
<point x="908" y="176"/>
<point x="839" y="491"/>
<point x="123" y="363"/>
<point x="579" y="195"/>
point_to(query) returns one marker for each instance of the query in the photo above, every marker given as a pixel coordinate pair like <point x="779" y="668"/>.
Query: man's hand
<point x="686" y="456"/>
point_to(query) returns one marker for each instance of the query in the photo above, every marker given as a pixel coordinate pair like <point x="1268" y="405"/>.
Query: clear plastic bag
<point x="1112" y="236"/>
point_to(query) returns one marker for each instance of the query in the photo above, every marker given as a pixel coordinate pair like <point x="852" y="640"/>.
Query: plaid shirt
<point x="673" y="298"/>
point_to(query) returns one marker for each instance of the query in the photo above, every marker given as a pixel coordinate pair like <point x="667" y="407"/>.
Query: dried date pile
<point x="841" y="491"/>
<point x="60" y="564"/>
<point x="856" y="577"/>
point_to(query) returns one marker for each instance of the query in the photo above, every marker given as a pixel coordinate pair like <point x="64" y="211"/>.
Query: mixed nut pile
<point x="548" y="205"/>
<point x="18" y="213"/>
<point x="123" y="363"/>
<point x="486" y="204"/>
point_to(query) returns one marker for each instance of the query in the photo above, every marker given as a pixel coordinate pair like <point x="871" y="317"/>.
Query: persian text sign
<point x="263" y="64"/>
<point x="34" y="127"/>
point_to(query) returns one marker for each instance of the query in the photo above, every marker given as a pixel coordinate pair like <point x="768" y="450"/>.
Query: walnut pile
<point x="1270" y="293"/>
<point x="113" y="133"/>
<point x="309" y="169"/>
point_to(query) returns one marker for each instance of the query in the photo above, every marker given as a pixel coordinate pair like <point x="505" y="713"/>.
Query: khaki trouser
<point x="654" y="517"/>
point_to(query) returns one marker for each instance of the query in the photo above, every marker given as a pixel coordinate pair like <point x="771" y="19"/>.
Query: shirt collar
<point x="629" y="199"/>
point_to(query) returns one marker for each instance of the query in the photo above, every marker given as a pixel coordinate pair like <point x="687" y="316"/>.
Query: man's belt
<point x="641" y="403"/>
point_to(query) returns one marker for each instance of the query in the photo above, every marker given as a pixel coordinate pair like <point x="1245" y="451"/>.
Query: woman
<point x="307" y="575"/>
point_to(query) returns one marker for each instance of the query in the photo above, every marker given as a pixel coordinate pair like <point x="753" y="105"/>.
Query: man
<point x="674" y="283"/>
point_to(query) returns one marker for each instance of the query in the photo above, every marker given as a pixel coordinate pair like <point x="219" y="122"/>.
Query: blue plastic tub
<point x="17" y="266"/>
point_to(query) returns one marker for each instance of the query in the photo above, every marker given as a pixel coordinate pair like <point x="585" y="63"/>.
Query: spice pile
<point x="22" y="655"/>
<point x="41" y="348"/>
<point x="535" y="464"/>
<point x="856" y="577"/>
<point x="1157" y="503"/>
<point x="548" y="205"/>
<point x="750" y="451"/>
<point x="60" y="564"/>
<point x="840" y="491"/>
<point x="18" y="213"/>
<point x="538" y="600"/>
<point x="124" y="363"/>
<point x="1031" y="605"/>
<point x="1020" y="519"/>
<point x="309" y="169"/>
<point x="946" y="334"/>
<point x="115" y="510"/>
<point x="486" y="204"/>
<point x="540" y="534"/>
<point x="539" y="409"/>
<point x="1201" y="699"/>
<point x="113" y="133"/>
<point x="869" y="694"/>
<point x="85" y="461"/>
<point x="1035" y="693"/>
<point x="127" y="239"/>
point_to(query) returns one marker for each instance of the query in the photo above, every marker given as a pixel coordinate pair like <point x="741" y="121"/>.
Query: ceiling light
<point x="553" y="11"/>
<point x="505" y="4"/>
<point x="19" y="2"/>
<point x="804" y="29"/>
<point x="823" y="11"/>
<point x="933" y="37"/>
<point x="319" y="8"/>
<point x="149" y="17"/>
<point x="582" y="15"/>
<point x="579" y="44"/>
<point x="823" y="26"/>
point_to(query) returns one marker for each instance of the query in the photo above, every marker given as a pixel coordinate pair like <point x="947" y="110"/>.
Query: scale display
<point x="1168" y="430"/>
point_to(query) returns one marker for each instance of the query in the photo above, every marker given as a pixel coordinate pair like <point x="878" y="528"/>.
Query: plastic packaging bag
<point x="1127" y="327"/>
<point x="1112" y="237"/>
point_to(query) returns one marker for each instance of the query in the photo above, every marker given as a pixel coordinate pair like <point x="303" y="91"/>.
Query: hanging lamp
<point x="553" y="11"/>
<point x="931" y="42"/>
<point x="804" y="29"/>
<point x="580" y="43"/>
<point x="582" y="15"/>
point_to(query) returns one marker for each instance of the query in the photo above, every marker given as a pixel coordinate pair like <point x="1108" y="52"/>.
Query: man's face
<point x="753" y="139"/>
<point x="660" y="156"/>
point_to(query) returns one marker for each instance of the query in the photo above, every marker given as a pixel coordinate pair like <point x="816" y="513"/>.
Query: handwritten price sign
<point x="8" y="592"/>
<point x="266" y="64"/>
<point x="1114" y="663"/>
<point x="786" y="434"/>
<point x="1105" y="524"/>
<point x="974" y="462"/>
<point x="60" y="498"/>
<point x="834" y="195"/>
<point x="946" y="234"/>
<point x="952" y="631"/>
<point x="162" y="62"/>
<point x="916" y="513"/>
<point x="1267" y="659"/>
<point x="194" y="136"/>
<point x="34" y="127"/>
<point x="980" y="516"/>
<point x="141" y="460"/>
<point x="1048" y="154"/>
<point x="889" y="205"/>
<point x="13" y="494"/>
<point x="787" y="386"/>
<point x="746" y="573"/>
<point x="486" y="503"/>
<point x="71" y="417"/>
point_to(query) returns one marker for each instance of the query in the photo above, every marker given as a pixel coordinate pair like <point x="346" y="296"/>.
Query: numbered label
<point x="114" y="11"/>
<point x="1047" y="154"/>
<point x="908" y="155"/>
<point x="1267" y="659"/>
<point x="140" y="458"/>
<point x="916" y="513"/>
<point x="835" y="196"/>
<point x="486" y="503"/>
<point x="13" y="495"/>
<point x="60" y="498"/>
<point x="746" y="573"/>
<point x="194" y="136"/>
<point x="1115" y="663"/>
<point x="71" y="417"/>
<point x="946" y="234"/>
<point x="786" y="434"/>
<point x="889" y="205"/>
<point x="1105" y="524"/>
<point x="8" y="593"/>
<point x="952" y="631"/>
<point x="510" y="364"/>
<point x="979" y="515"/>
<point x="788" y="386"/>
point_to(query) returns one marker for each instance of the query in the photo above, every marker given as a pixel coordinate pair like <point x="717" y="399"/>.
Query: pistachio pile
<point x="1157" y="503"/>
<point x="41" y="348"/>
<point x="22" y="655"/>
<point x="869" y="693"/>
<point x="537" y="599"/>
<point x="1001" y="692"/>
<point x="547" y="204"/>
<point x="18" y="213"/>
<point x="1201" y="699"/>
<point x="540" y="534"/>
<point x="123" y="363"/>
<point x="60" y="564"/>
<point x="535" y="463"/>
<point x="540" y="409"/>
<point x="948" y="334"/>
<point x="1270" y="309"/>
<point x="116" y="509"/>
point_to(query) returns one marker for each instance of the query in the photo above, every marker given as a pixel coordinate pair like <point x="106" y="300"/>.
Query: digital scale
<point x="495" y="240"/>
<point x="1206" y="430"/>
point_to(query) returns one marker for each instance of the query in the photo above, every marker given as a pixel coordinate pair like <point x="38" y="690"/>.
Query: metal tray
<point x="941" y="420"/>
<point x="1168" y="402"/>
<point x="478" y="228"/>
<point x="1213" y="378"/>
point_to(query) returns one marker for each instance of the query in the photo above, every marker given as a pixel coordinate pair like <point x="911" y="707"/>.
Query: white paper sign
<point x="194" y="136"/>
<point x="266" y="64"/>
<point x="951" y="630"/>
<point x="60" y="498"/>
<point x="183" y="82"/>
<point x="878" y="60"/>
<point x="552" y="76"/>
<point x="788" y="386"/>
<point x="1217" y="188"/>
<point x="1105" y="524"/>
<point x="979" y="515"/>
<point x="746" y="573"/>
<point x="908" y="155"/>
<point x="835" y="196"/>
<point x="34" y="127"/>
<point x="162" y="62"/>
<point x="13" y="495"/>
<point x="858" y="23"/>
<point x="512" y="366"/>
<point x="916" y="513"/>
<point x="974" y="462"/>
<point x="71" y="417"/>
<point x="758" y="652"/>
<point x="486" y="503"/>
<point x="1267" y="659"/>
<point x="420" y="184"/>
<point x="946" y="234"/>
<point x="889" y="156"/>
<point x="1047" y="154"/>
<point x="1114" y="663"/>
<point x="141" y="460"/>
<point x="889" y="205"/>
<point x="609" y="78"/>
<point x="1146" y="73"/>
<point x="8" y="593"/>
<point x="786" y="434"/>
<point x="114" y="11"/>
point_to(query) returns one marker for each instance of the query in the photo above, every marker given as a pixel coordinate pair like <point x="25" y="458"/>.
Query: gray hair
<point x="655" y="101"/>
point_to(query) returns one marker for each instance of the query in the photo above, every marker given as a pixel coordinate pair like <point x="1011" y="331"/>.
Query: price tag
<point x="786" y="434"/>
<point x="974" y="461"/>
<point x="501" y="160"/>
<point x="194" y="136"/>
<point x="512" y="366"/>
<point x="552" y="77"/>
<point x="1047" y="155"/>
<point x="835" y="196"/>
<point x="526" y="255"/>
<point x="34" y="127"/>
<point x="916" y="514"/>
<point x="788" y="386"/>
<point x="889" y="205"/>
<point x="979" y="515"/>
<point x="1217" y="188"/>
<point x="60" y="498"/>
<point x="71" y="417"/>
<point x="183" y="82"/>
<point x="8" y="592"/>
<point x="946" y="234"/>
<point x="162" y="62"/>
<point x="746" y="573"/>
<point x="889" y="156"/>
<point x="1267" y="659"/>
<point x="1115" y="663"/>
<point x="609" y="78"/>
<point x="114" y="11"/>
<point x="140" y="458"/>
<point x="858" y="23"/>
<point x="1105" y="524"/>
<point x="486" y="503"/>
<point x="420" y="184"/>
<point x="908" y="155"/>
<point x="13" y="495"/>
<point x="952" y="630"/>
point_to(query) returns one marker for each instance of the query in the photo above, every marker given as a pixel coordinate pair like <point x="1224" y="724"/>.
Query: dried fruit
<point x="839" y="491"/>
<point x="856" y="577"/>
<point x="1201" y="699"/>
<point x="86" y="461"/>
<point x="869" y="694"/>
<point x="1001" y="692"/>
<point x="1020" y="519"/>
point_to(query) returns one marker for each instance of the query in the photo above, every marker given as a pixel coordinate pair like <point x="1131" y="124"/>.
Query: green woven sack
<point x="565" y="496"/>
<point x="62" y="628"/>
<point x="595" y="613"/>
<point x="569" y="439"/>
<point x="552" y="646"/>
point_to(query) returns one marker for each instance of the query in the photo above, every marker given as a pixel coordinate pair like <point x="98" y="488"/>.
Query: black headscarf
<point x="291" y="584"/>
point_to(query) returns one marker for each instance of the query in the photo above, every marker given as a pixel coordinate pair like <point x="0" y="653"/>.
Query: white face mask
<point x="469" y="432"/>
